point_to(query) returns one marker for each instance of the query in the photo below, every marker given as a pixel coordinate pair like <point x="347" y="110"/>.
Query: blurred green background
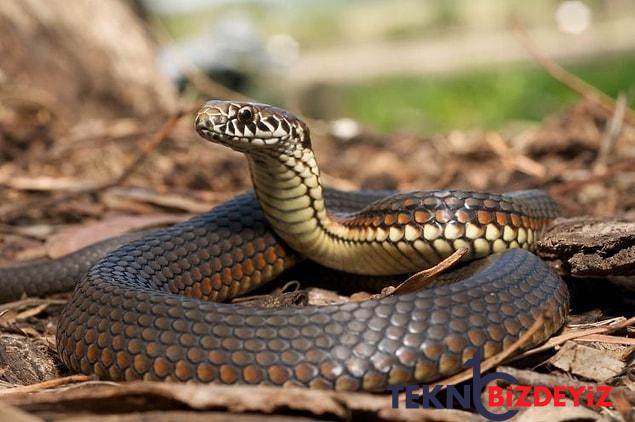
<point x="400" y="65"/>
<point x="489" y="97"/>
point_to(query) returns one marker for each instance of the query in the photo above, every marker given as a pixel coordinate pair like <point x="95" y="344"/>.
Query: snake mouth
<point x="219" y="136"/>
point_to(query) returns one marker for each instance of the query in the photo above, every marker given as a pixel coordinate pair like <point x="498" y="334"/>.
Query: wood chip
<point x="585" y="246"/>
<point x="317" y="296"/>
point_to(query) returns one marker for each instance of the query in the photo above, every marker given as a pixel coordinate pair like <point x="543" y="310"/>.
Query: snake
<point x="153" y="305"/>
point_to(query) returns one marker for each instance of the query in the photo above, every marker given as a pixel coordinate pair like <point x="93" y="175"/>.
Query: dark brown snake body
<point x="146" y="310"/>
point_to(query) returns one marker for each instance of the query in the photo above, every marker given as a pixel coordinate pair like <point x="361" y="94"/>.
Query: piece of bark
<point x="585" y="246"/>
<point x="23" y="361"/>
<point x="74" y="238"/>
<point x="587" y="362"/>
<point x="93" y="397"/>
<point x="81" y="57"/>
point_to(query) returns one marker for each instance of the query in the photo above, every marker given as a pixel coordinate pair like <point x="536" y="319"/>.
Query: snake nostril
<point x="201" y="121"/>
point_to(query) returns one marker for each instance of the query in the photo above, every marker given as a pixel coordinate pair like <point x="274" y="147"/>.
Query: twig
<point x="45" y="385"/>
<point x="512" y="160"/>
<point x="601" y="338"/>
<point x="555" y="341"/>
<point x="567" y="78"/>
<point x="31" y="301"/>
<point x="596" y="324"/>
<point x="611" y="134"/>
<point x="158" y="137"/>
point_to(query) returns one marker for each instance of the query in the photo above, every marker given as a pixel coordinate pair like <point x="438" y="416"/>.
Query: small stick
<point x="602" y="338"/>
<point x="611" y="134"/>
<point x="56" y="382"/>
<point x="157" y="138"/>
<point x="555" y="341"/>
<point x="31" y="301"/>
<point x="567" y="78"/>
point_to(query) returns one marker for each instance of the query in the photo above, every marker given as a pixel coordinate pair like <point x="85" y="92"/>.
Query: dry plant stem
<point x="601" y="323"/>
<point x="493" y="361"/>
<point x="512" y="160"/>
<point x="159" y="136"/>
<point x="31" y="312"/>
<point x="611" y="134"/>
<point x="601" y="338"/>
<point x="555" y="341"/>
<point x="30" y="302"/>
<point x="44" y="385"/>
<point x="568" y="79"/>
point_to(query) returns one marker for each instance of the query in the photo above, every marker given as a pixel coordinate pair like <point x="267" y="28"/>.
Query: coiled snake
<point x="146" y="310"/>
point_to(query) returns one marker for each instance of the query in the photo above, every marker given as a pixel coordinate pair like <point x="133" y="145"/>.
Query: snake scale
<point x="146" y="306"/>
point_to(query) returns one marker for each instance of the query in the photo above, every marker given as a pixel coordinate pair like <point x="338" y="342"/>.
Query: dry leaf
<point x="71" y="240"/>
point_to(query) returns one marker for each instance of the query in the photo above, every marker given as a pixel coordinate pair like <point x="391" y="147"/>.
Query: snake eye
<point x="245" y="114"/>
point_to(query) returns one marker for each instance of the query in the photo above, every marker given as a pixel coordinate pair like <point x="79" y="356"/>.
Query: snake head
<point x="250" y="127"/>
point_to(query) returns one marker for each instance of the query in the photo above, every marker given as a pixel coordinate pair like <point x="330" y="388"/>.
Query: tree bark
<point x="81" y="56"/>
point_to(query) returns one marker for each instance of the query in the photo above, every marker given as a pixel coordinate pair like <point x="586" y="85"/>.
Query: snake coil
<point x="148" y="309"/>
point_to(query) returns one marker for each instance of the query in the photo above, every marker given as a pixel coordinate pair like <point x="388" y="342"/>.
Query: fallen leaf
<point x="587" y="362"/>
<point x="73" y="239"/>
<point x="423" y="278"/>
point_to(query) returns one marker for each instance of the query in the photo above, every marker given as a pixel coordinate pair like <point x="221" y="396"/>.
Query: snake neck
<point x="291" y="196"/>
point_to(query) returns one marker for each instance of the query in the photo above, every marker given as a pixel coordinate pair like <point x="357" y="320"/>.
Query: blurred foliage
<point x="488" y="97"/>
<point x="328" y="23"/>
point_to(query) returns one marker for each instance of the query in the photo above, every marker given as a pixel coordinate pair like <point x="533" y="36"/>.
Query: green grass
<point x="486" y="98"/>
